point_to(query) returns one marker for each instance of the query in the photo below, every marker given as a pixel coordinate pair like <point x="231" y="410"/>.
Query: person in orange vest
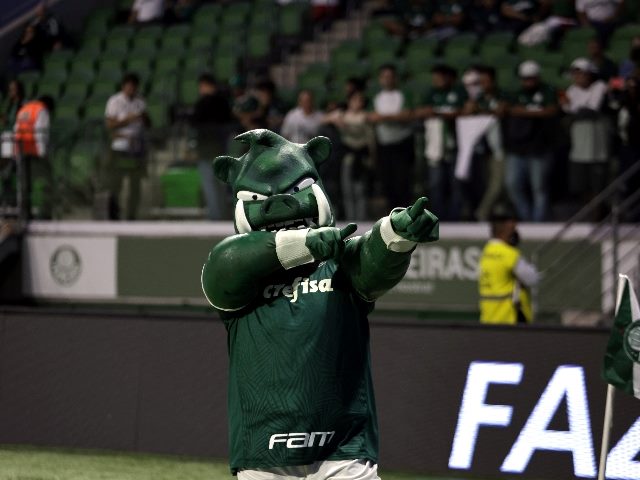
<point x="506" y="277"/>
<point x="31" y="134"/>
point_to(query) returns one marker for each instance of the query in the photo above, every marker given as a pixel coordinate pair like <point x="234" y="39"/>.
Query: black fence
<point x="462" y="401"/>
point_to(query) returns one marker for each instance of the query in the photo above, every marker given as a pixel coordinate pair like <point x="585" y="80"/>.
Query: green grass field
<point x="25" y="463"/>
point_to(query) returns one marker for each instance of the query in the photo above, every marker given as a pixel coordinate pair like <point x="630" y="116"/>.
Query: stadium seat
<point x="139" y="65"/>
<point x="175" y="38"/>
<point x="625" y="33"/>
<point x="58" y="61"/>
<point x="315" y="77"/>
<point x="67" y="111"/>
<point x="195" y="65"/>
<point x="578" y="36"/>
<point x="420" y="55"/>
<point x="119" y="38"/>
<point x="98" y="21"/>
<point x="495" y="45"/>
<point x="163" y="87"/>
<point x="207" y="16"/>
<point x="225" y="67"/>
<point x="82" y="69"/>
<point x="345" y="54"/>
<point x="82" y="164"/>
<point x="158" y="113"/>
<point x="202" y="41"/>
<point x="461" y="45"/>
<point x="167" y="64"/>
<point x="259" y="45"/>
<point x="30" y="82"/>
<point x="188" y="90"/>
<point x="75" y="89"/>
<point x="181" y="187"/>
<point x="52" y="87"/>
<point x="110" y="69"/>
<point x="104" y="87"/>
<point x="291" y="19"/>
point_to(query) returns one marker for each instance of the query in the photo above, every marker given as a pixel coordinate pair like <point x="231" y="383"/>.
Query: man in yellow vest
<point x="505" y="276"/>
<point x="31" y="135"/>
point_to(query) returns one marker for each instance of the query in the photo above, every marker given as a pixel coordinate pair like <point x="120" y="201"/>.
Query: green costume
<point x="294" y="295"/>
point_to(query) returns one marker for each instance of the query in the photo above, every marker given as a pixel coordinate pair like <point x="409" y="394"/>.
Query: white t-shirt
<point x="298" y="127"/>
<point x="147" y="10"/>
<point x="591" y="97"/>
<point x="119" y="106"/>
<point x="390" y="102"/>
<point x="597" y="10"/>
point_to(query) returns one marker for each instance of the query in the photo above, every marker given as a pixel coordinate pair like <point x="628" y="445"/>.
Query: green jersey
<point x="300" y="387"/>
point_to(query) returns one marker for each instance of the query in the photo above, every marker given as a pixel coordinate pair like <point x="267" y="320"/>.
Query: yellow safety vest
<point x="501" y="295"/>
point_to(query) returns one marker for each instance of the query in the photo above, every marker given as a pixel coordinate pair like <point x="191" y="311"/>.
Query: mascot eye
<point x="304" y="183"/>
<point x="249" y="196"/>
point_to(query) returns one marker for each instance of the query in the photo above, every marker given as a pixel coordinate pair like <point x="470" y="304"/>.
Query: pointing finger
<point x="417" y="207"/>
<point x="348" y="230"/>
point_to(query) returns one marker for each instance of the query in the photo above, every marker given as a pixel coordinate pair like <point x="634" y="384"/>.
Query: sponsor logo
<point x="565" y="394"/>
<point x="301" y="440"/>
<point x="299" y="286"/>
<point x="65" y="265"/>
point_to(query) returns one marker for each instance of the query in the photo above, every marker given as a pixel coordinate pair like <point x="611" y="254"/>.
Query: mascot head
<point x="276" y="184"/>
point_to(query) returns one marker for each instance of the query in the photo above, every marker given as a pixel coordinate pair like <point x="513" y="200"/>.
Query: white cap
<point x="529" y="68"/>
<point x="583" y="65"/>
<point x="470" y="77"/>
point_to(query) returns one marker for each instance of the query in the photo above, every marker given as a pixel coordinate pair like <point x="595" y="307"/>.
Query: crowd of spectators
<point x="466" y="141"/>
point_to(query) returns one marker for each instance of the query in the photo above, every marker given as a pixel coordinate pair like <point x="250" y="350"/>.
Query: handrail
<point x="588" y="208"/>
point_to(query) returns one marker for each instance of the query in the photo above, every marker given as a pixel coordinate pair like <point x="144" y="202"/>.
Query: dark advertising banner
<point x="499" y="402"/>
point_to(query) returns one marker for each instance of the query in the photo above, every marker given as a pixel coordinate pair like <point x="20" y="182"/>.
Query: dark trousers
<point x="396" y="162"/>
<point x="118" y="166"/>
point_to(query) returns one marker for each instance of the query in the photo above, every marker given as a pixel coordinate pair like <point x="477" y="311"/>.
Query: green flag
<point x="621" y="361"/>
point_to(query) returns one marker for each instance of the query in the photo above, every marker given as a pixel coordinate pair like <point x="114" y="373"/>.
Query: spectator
<point x="629" y="65"/>
<point x="126" y="119"/>
<point x="505" y="276"/>
<point x="529" y="138"/>
<point x="411" y="19"/>
<point x="303" y="122"/>
<point x="358" y="141"/>
<point x="491" y="101"/>
<point x="211" y="114"/>
<point x="31" y="133"/>
<point x="441" y="106"/>
<point x="584" y="101"/>
<point x="605" y="68"/>
<point x="146" y="11"/>
<point x="448" y="19"/>
<point x="603" y="15"/>
<point x="180" y="10"/>
<point x="485" y="16"/>
<point x="27" y="53"/>
<point x="13" y="103"/>
<point x="394" y="137"/>
<point x="49" y="29"/>
<point x="260" y="108"/>
<point x="521" y="14"/>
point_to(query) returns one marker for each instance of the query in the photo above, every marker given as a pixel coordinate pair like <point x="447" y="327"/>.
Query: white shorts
<point x="326" y="470"/>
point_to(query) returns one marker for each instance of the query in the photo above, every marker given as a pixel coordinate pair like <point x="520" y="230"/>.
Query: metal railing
<point x="574" y="269"/>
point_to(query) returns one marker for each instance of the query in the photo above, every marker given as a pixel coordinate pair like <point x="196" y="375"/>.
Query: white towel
<point x="434" y="137"/>
<point x="469" y="131"/>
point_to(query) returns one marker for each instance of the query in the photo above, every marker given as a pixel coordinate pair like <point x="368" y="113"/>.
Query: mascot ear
<point x="226" y="168"/>
<point x="319" y="149"/>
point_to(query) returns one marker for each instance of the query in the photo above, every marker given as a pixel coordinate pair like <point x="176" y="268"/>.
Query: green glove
<point x="416" y="223"/>
<point x="328" y="242"/>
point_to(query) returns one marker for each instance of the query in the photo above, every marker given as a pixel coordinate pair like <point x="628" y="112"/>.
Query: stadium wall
<point x="454" y="400"/>
<point x="159" y="263"/>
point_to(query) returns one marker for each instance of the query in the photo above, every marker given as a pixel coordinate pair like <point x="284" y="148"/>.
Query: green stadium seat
<point x="58" y="61"/>
<point x="119" y="39"/>
<point x="461" y="45"/>
<point x="158" y="113"/>
<point x="374" y="33"/>
<point x="51" y="87"/>
<point x="82" y="164"/>
<point x="206" y="17"/>
<point x="167" y="64"/>
<point x="76" y="89"/>
<point x="111" y="68"/>
<point x="66" y="111"/>
<point x="181" y="187"/>
<point x="91" y="47"/>
<point x="175" y="38"/>
<point x="30" y="82"/>
<point x="98" y="21"/>
<point x="578" y="36"/>
<point x="347" y="53"/>
<point x="138" y="64"/>
<point x="225" y="67"/>
<point x="82" y="69"/>
<point x="626" y="33"/>
<point x="291" y="19"/>
<point x="259" y="45"/>
<point x="104" y="87"/>
<point x="195" y="65"/>
<point x="55" y="76"/>
<point x="163" y="87"/>
<point x="202" y="41"/>
<point x="420" y="55"/>
<point x="94" y="110"/>
<point x="188" y="90"/>
<point x="315" y="77"/>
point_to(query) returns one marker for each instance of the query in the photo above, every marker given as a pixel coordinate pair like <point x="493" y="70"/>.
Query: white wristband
<point x="392" y="240"/>
<point x="291" y="248"/>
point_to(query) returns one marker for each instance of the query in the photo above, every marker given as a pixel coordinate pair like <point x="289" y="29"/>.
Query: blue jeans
<point x="527" y="181"/>
<point x="212" y="190"/>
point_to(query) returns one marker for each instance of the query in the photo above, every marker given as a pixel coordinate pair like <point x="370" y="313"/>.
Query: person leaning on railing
<point x="505" y="276"/>
<point x="31" y="135"/>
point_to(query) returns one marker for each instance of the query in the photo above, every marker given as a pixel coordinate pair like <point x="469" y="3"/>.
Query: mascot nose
<point x="280" y="206"/>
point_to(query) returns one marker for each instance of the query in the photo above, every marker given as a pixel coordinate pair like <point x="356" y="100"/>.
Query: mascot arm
<point x="378" y="260"/>
<point x="238" y="267"/>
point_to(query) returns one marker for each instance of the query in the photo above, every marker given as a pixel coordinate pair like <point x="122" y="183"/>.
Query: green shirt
<point x="300" y="387"/>
<point x="445" y="100"/>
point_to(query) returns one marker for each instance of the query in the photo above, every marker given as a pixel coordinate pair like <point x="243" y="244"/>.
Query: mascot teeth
<point x="242" y="224"/>
<point x="324" y="210"/>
